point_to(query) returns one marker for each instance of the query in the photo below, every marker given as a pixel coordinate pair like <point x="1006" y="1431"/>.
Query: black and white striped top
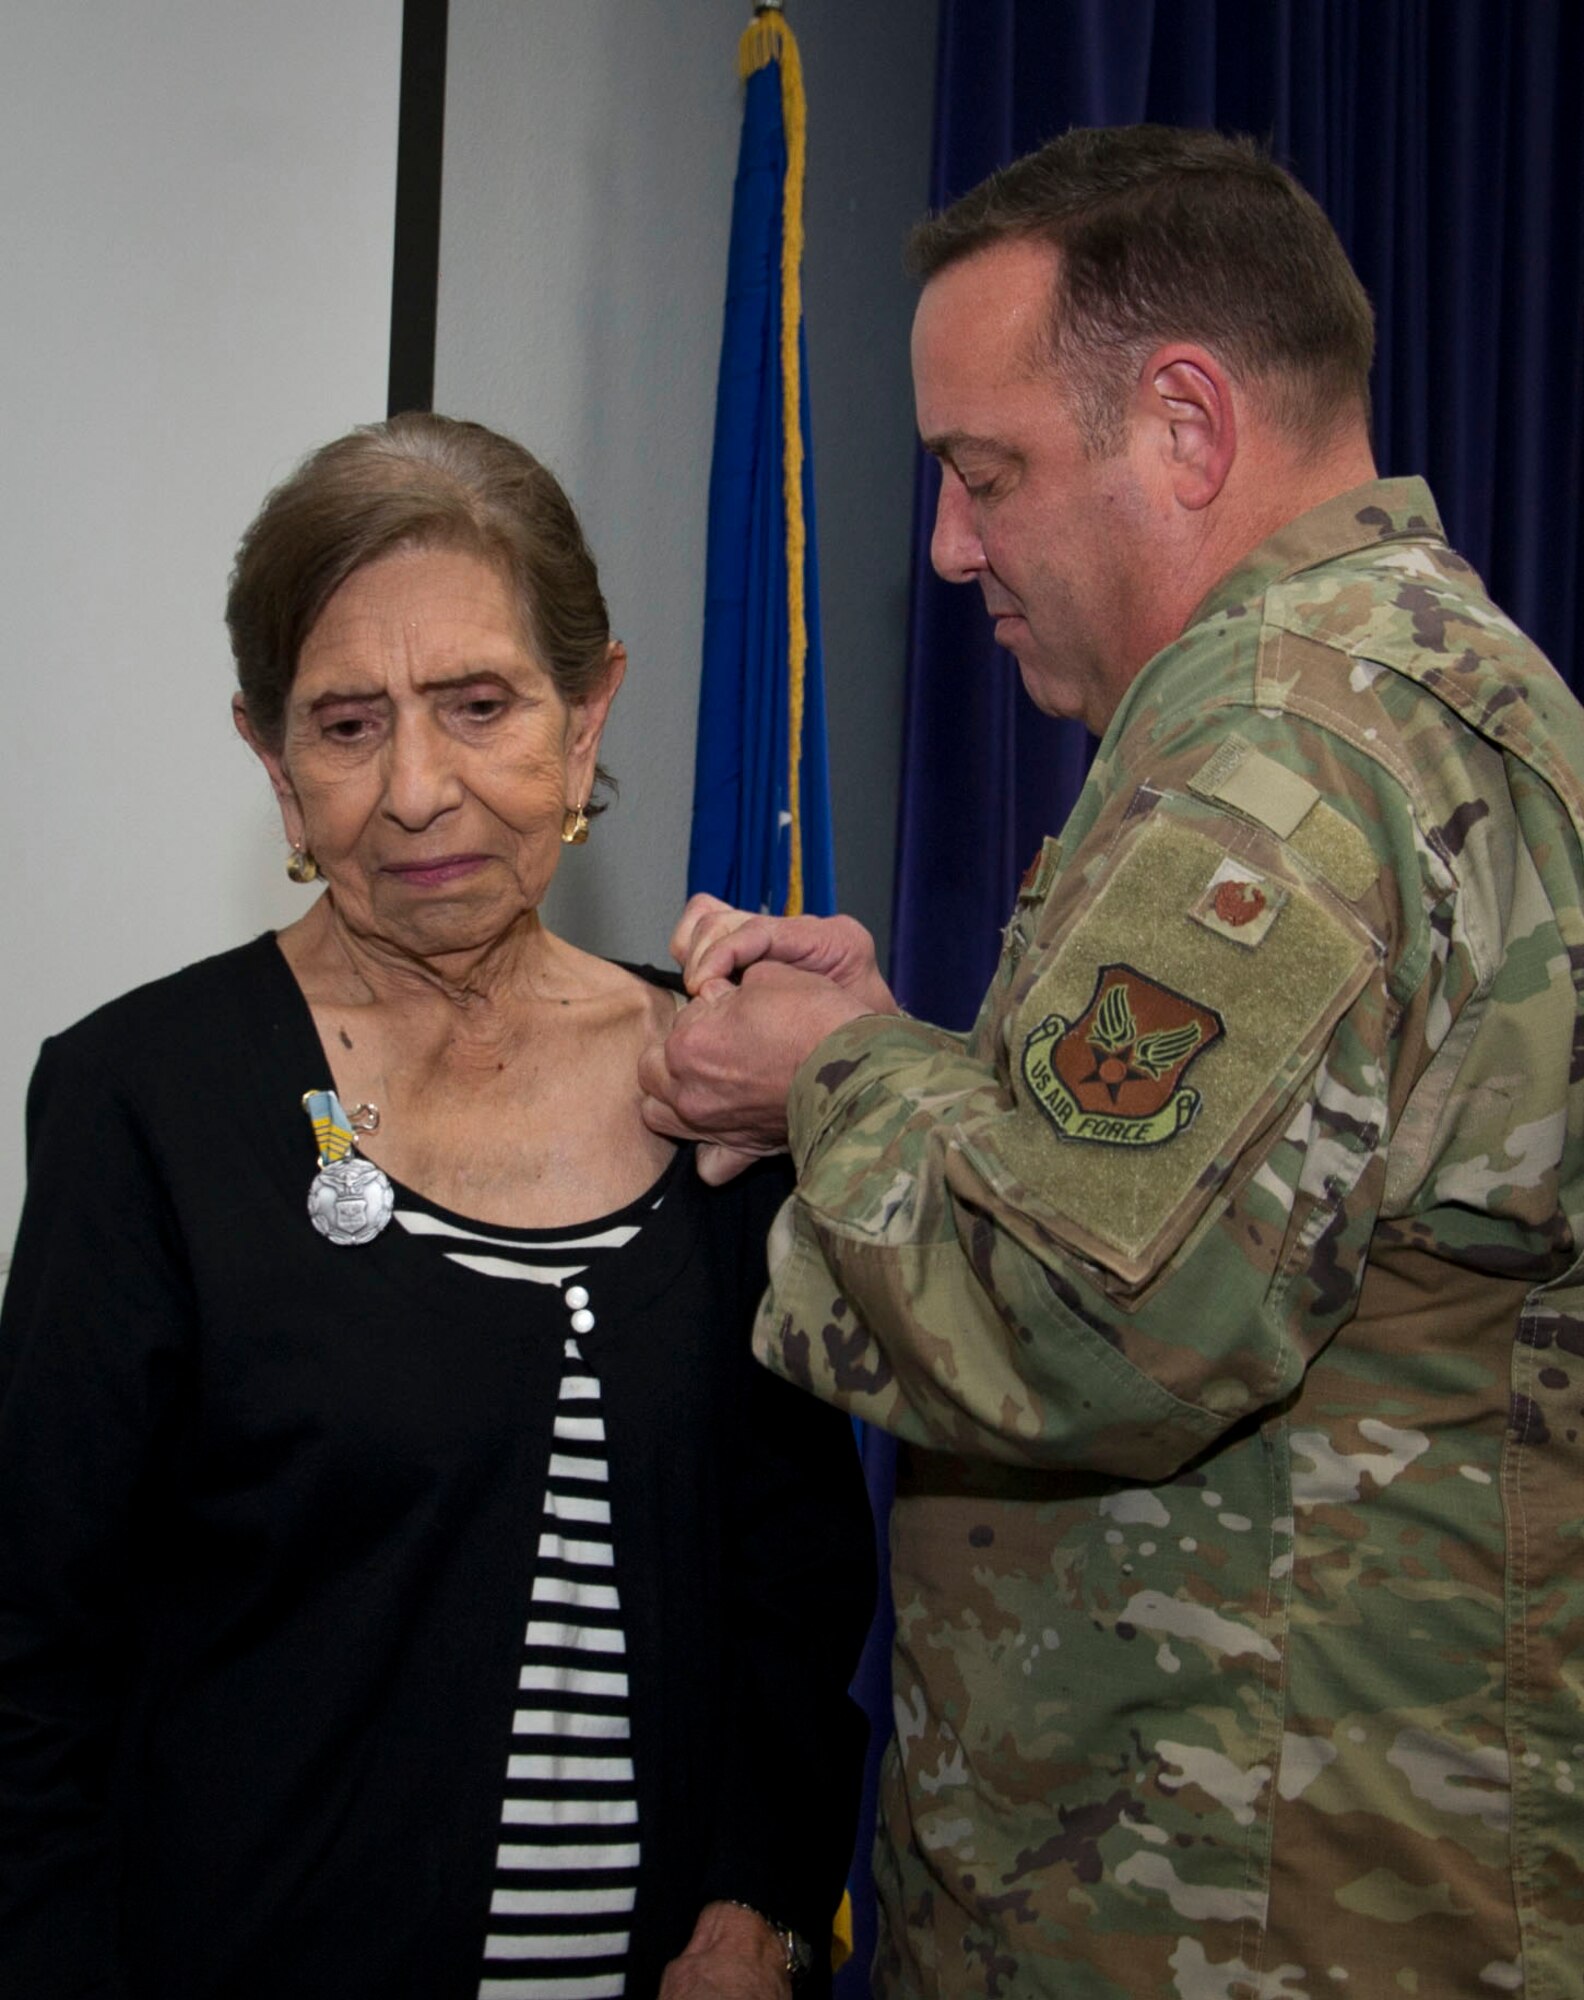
<point x="566" y="1870"/>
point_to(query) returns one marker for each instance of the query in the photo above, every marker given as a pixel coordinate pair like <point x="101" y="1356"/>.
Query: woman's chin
<point x="439" y="925"/>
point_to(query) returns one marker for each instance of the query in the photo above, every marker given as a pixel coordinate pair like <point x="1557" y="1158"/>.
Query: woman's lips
<point x="435" y="874"/>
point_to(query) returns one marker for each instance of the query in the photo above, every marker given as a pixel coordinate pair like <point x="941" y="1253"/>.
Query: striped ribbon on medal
<point x="332" y="1127"/>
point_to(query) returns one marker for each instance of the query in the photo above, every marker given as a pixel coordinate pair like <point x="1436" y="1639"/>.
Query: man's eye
<point x="347" y="728"/>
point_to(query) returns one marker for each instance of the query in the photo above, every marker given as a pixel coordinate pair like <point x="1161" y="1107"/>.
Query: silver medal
<point x="350" y="1200"/>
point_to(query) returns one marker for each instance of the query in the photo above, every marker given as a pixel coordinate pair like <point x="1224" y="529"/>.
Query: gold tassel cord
<point x="768" y="39"/>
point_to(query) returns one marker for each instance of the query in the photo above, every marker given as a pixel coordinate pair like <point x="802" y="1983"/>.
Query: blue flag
<point x="761" y="790"/>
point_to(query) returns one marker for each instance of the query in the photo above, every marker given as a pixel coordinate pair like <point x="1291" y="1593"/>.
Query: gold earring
<point x="574" y="826"/>
<point x="301" y="866"/>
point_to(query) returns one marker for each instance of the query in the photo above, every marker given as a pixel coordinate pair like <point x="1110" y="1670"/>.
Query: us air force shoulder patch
<point x="1113" y="1076"/>
<point x="1119" y="1137"/>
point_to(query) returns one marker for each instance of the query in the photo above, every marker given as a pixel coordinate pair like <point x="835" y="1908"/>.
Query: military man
<point x="1224" y="1283"/>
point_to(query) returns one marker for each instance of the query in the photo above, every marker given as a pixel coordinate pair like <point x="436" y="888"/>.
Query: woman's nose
<point x="421" y="779"/>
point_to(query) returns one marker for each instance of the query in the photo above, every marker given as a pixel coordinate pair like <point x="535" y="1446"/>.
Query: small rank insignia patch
<point x="1113" y="1077"/>
<point x="1040" y="873"/>
<point x="1239" y="903"/>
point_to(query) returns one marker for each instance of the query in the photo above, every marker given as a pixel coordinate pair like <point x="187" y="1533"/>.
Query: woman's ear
<point x="285" y="792"/>
<point x="586" y="725"/>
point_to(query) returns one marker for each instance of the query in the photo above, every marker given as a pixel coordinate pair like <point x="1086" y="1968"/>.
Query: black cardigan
<point x="266" y="1513"/>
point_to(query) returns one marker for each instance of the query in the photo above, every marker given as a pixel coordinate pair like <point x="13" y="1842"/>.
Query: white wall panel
<point x="196" y="209"/>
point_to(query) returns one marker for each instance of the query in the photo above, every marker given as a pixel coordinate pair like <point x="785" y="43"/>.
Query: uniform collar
<point x="1384" y="510"/>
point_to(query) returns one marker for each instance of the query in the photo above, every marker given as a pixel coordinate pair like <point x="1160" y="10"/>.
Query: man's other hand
<point x="723" y="1072"/>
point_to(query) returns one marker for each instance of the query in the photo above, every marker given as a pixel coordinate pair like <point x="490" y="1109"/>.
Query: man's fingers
<point x="667" y="1093"/>
<point x="699" y="910"/>
<point x="657" y="1093"/>
<point x="714" y="941"/>
<point x="723" y="945"/>
<point x="653" y="1074"/>
<point x="718" y="1164"/>
<point x="696" y="909"/>
<point x="722" y="949"/>
<point x="660" y="1118"/>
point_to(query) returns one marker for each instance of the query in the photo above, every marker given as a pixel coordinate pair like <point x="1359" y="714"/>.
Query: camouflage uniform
<point x="1224" y="1284"/>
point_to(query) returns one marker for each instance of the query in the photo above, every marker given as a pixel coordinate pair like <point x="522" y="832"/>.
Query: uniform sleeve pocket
<point x="1175" y="1020"/>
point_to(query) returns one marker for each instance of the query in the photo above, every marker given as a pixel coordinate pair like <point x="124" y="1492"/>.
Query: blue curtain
<point x="1443" y="138"/>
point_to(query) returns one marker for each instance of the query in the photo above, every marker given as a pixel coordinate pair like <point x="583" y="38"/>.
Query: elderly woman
<point x="408" y="1584"/>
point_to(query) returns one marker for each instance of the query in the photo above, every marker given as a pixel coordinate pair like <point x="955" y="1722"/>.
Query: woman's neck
<point x="341" y="965"/>
<point x="506" y="1078"/>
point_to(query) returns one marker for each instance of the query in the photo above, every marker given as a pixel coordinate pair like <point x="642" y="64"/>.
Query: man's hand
<point x="714" y="941"/>
<point x="732" y="1955"/>
<point x="724" y="1071"/>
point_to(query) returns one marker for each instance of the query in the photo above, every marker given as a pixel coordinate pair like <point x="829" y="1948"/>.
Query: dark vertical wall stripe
<point x="415" y="277"/>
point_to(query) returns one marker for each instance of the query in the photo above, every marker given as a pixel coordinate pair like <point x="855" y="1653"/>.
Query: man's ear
<point x="1186" y="396"/>
<point x="285" y="792"/>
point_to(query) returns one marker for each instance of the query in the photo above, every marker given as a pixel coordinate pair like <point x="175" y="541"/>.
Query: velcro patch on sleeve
<point x="1335" y="848"/>
<point x="1154" y="1047"/>
<point x="1248" y="781"/>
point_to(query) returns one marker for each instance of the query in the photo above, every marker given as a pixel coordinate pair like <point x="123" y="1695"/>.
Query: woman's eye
<point x="483" y="707"/>
<point x="347" y="729"/>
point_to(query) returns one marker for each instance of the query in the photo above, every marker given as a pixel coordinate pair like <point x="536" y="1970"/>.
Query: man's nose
<point x="955" y="549"/>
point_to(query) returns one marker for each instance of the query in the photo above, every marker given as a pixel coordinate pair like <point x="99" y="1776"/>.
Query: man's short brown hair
<point x="1170" y="234"/>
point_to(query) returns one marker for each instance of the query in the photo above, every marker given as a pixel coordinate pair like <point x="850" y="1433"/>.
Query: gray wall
<point x="195" y="235"/>
<point x="590" y="151"/>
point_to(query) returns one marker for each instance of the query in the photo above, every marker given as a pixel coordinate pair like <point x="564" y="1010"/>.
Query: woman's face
<point x="428" y="759"/>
